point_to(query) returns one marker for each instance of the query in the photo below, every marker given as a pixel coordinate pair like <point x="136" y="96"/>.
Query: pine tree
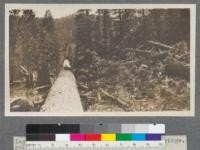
<point x="48" y="50"/>
<point x="13" y="35"/>
<point x="83" y="37"/>
<point x="106" y="32"/>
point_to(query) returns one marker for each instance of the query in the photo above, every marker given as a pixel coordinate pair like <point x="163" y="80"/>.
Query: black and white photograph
<point x="100" y="59"/>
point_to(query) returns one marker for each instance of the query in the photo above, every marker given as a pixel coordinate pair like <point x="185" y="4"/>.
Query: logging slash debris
<point x="152" y="77"/>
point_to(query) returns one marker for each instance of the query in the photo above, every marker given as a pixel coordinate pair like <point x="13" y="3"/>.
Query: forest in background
<point x="123" y="59"/>
<point x="37" y="48"/>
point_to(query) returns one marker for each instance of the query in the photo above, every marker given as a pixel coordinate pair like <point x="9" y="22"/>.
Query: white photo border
<point x="190" y="113"/>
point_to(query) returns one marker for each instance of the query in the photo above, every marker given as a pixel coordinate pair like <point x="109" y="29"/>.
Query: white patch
<point x="66" y="64"/>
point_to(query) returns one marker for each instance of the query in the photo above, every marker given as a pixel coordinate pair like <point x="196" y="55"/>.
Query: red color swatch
<point x="93" y="137"/>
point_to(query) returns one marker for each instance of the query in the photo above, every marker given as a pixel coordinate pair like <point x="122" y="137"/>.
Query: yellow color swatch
<point x="108" y="137"/>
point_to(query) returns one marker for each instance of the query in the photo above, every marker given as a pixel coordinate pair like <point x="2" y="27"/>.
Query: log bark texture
<point x="63" y="95"/>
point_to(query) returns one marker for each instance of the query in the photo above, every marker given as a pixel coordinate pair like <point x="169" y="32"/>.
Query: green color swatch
<point x="124" y="137"/>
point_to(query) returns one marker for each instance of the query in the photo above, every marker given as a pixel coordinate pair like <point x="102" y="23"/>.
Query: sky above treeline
<point x="62" y="10"/>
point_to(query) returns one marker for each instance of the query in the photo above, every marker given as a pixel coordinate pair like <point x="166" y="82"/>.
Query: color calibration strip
<point x="174" y="142"/>
<point x="94" y="137"/>
<point x="95" y="128"/>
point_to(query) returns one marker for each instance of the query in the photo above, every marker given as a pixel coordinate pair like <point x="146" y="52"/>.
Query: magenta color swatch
<point x="77" y="137"/>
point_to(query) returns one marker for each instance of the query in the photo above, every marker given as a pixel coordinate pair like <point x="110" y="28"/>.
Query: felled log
<point x="17" y="82"/>
<point x="178" y="70"/>
<point x="127" y="62"/>
<point x="63" y="95"/>
<point x="27" y="74"/>
<point x="24" y="70"/>
<point x="118" y="101"/>
<point x="82" y="86"/>
<point x="98" y="96"/>
<point x="161" y="56"/>
<point x="42" y="87"/>
<point x="86" y="94"/>
<point x="161" y="45"/>
<point x="142" y="53"/>
<point x="83" y="71"/>
<point x="21" y="104"/>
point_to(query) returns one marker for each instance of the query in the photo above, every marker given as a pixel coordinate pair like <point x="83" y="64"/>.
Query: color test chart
<point x="94" y="137"/>
<point x="95" y="132"/>
<point x="174" y="142"/>
<point x="98" y="137"/>
<point x="95" y="128"/>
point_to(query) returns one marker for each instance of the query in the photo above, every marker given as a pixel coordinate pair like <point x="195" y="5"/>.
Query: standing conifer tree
<point x="49" y="53"/>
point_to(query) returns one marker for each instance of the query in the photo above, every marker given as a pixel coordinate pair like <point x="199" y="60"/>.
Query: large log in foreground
<point x="63" y="95"/>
